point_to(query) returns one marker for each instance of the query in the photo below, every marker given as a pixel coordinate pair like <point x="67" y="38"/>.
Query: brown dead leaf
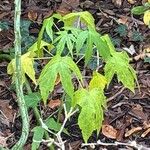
<point x="109" y="131"/>
<point x="123" y="20"/>
<point x="32" y="15"/>
<point x="67" y="6"/>
<point x="54" y="103"/>
<point x="7" y="112"/>
<point x="133" y="130"/>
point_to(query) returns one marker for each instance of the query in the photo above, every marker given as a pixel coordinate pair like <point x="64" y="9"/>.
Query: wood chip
<point x="133" y="130"/>
<point x="109" y="131"/>
<point x="145" y="133"/>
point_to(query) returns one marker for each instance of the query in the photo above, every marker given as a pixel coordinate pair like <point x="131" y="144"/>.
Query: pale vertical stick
<point x="18" y="79"/>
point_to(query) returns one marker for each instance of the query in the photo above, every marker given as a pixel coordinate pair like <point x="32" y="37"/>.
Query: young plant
<point x="77" y="35"/>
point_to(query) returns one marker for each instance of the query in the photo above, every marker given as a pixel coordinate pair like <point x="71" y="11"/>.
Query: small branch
<point x="60" y="143"/>
<point x="130" y="144"/>
<point x="114" y="96"/>
<point x="36" y="112"/>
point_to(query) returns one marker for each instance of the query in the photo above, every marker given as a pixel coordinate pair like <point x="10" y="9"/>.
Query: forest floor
<point x="127" y="117"/>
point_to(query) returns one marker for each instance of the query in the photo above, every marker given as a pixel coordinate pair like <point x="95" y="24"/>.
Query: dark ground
<point x="128" y="114"/>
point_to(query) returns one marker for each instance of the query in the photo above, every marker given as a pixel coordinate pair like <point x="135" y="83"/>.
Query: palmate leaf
<point x="32" y="99"/>
<point x="54" y="125"/>
<point x="119" y="65"/>
<point x="63" y="39"/>
<point x="34" y="47"/>
<point x="91" y="115"/>
<point x="62" y="66"/>
<point x="47" y="26"/>
<point x="98" y="81"/>
<point x="90" y="37"/>
<point x="27" y="63"/>
<point x="92" y="102"/>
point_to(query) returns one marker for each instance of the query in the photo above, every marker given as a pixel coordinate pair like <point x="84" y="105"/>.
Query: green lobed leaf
<point x="47" y="25"/>
<point x="119" y="65"/>
<point x="98" y="81"/>
<point x="48" y="28"/>
<point x="89" y="48"/>
<point x="32" y="99"/>
<point x="91" y="115"/>
<point x="138" y="10"/>
<point x="101" y="45"/>
<point x="63" y="39"/>
<point x="34" y="47"/>
<point x="66" y="79"/>
<point x="37" y="137"/>
<point x="53" y="125"/>
<point x="110" y="47"/>
<point x="81" y="38"/>
<point x="62" y="66"/>
<point x="27" y="63"/>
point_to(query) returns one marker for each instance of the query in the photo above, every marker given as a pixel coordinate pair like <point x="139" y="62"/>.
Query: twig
<point x="114" y="96"/>
<point x="60" y="143"/>
<point x="130" y="144"/>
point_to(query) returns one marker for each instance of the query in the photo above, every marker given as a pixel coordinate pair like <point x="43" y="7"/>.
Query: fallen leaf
<point x="123" y="20"/>
<point x="67" y="6"/>
<point x="130" y="50"/>
<point x="32" y="15"/>
<point x="146" y="17"/>
<point x="109" y="131"/>
<point x="133" y="130"/>
<point x="7" y="112"/>
<point x="54" y="103"/>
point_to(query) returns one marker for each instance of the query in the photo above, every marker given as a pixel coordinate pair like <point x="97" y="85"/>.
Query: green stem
<point x="18" y="80"/>
<point x="36" y="112"/>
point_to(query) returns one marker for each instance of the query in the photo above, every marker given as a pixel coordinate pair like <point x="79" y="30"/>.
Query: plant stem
<point x="18" y="79"/>
<point x="36" y="113"/>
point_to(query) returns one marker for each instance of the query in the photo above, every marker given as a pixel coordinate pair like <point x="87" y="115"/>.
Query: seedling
<point x="77" y="33"/>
